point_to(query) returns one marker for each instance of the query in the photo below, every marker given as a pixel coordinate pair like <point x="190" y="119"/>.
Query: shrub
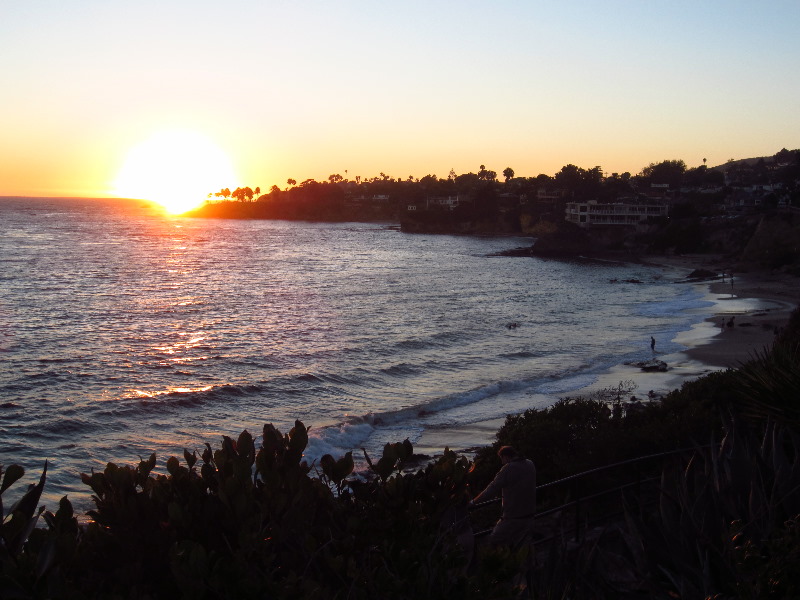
<point x="236" y="522"/>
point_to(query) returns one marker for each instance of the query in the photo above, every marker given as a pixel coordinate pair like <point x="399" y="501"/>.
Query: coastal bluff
<point x="748" y="242"/>
<point x="567" y="240"/>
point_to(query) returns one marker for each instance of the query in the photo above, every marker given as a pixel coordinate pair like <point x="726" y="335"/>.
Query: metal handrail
<point x="577" y="501"/>
<point x="599" y="519"/>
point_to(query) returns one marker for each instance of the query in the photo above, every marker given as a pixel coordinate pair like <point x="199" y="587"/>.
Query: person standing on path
<point x="516" y="484"/>
<point x="652" y="343"/>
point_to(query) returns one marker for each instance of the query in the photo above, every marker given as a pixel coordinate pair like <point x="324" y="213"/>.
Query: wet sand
<point x="759" y="302"/>
<point x="757" y="305"/>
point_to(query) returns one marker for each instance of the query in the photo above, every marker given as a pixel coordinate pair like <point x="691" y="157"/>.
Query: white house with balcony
<point x="593" y="213"/>
<point x="446" y="202"/>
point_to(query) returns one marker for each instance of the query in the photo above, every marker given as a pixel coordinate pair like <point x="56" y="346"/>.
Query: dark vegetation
<point x="248" y="521"/>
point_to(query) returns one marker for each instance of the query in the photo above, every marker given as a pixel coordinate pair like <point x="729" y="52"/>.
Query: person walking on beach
<point x="516" y="484"/>
<point x="652" y="343"/>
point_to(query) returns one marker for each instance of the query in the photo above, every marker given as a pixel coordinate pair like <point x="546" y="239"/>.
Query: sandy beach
<point x="746" y="314"/>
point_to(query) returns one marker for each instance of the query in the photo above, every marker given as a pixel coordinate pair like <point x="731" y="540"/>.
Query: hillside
<point x="748" y="242"/>
<point x="749" y="161"/>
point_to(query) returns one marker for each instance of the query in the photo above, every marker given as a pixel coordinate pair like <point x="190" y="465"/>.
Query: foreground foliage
<point x="240" y="522"/>
<point x="720" y="520"/>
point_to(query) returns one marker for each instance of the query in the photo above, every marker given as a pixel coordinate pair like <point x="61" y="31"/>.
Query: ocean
<point x="125" y="332"/>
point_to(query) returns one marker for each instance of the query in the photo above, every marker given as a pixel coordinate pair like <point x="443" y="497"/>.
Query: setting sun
<point x="177" y="169"/>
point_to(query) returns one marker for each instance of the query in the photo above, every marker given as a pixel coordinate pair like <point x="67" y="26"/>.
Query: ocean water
<point x="125" y="332"/>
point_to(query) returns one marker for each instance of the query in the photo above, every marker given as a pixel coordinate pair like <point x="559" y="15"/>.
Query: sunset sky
<point x="258" y="92"/>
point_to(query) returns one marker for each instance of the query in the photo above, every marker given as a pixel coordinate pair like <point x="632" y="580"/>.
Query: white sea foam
<point x="566" y="384"/>
<point x="337" y="440"/>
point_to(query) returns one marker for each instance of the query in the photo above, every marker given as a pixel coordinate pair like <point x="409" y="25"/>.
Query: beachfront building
<point x="544" y="194"/>
<point x="623" y="212"/>
<point x="436" y="203"/>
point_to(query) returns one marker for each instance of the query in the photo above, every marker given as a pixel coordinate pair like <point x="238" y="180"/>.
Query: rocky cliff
<point x="774" y="244"/>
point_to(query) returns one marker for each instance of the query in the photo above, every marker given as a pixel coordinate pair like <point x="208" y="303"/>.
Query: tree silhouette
<point x="243" y="194"/>
<point x="667" y="171"/>
<point x="570" y="177"/>
<point x="485" y="175"/>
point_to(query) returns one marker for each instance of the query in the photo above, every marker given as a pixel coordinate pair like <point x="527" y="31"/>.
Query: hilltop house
<point x="622" y="212"/>
<point x="438" y="203"/>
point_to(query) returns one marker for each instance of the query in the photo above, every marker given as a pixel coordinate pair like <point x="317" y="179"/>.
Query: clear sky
<point x="303" y="89"/>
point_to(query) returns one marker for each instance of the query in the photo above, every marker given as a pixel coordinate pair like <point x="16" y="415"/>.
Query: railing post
<point x="638" y="489"/>
<point x="577" y="513"/>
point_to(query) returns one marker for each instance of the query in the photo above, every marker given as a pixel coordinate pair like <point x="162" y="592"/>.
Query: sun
<point x="176" y="169"/>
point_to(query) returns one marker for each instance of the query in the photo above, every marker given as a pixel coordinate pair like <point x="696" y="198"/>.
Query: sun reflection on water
<point x="170" y="390"/>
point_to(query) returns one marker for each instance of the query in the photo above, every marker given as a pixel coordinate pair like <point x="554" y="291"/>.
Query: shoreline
<point x="759" y="303"/>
